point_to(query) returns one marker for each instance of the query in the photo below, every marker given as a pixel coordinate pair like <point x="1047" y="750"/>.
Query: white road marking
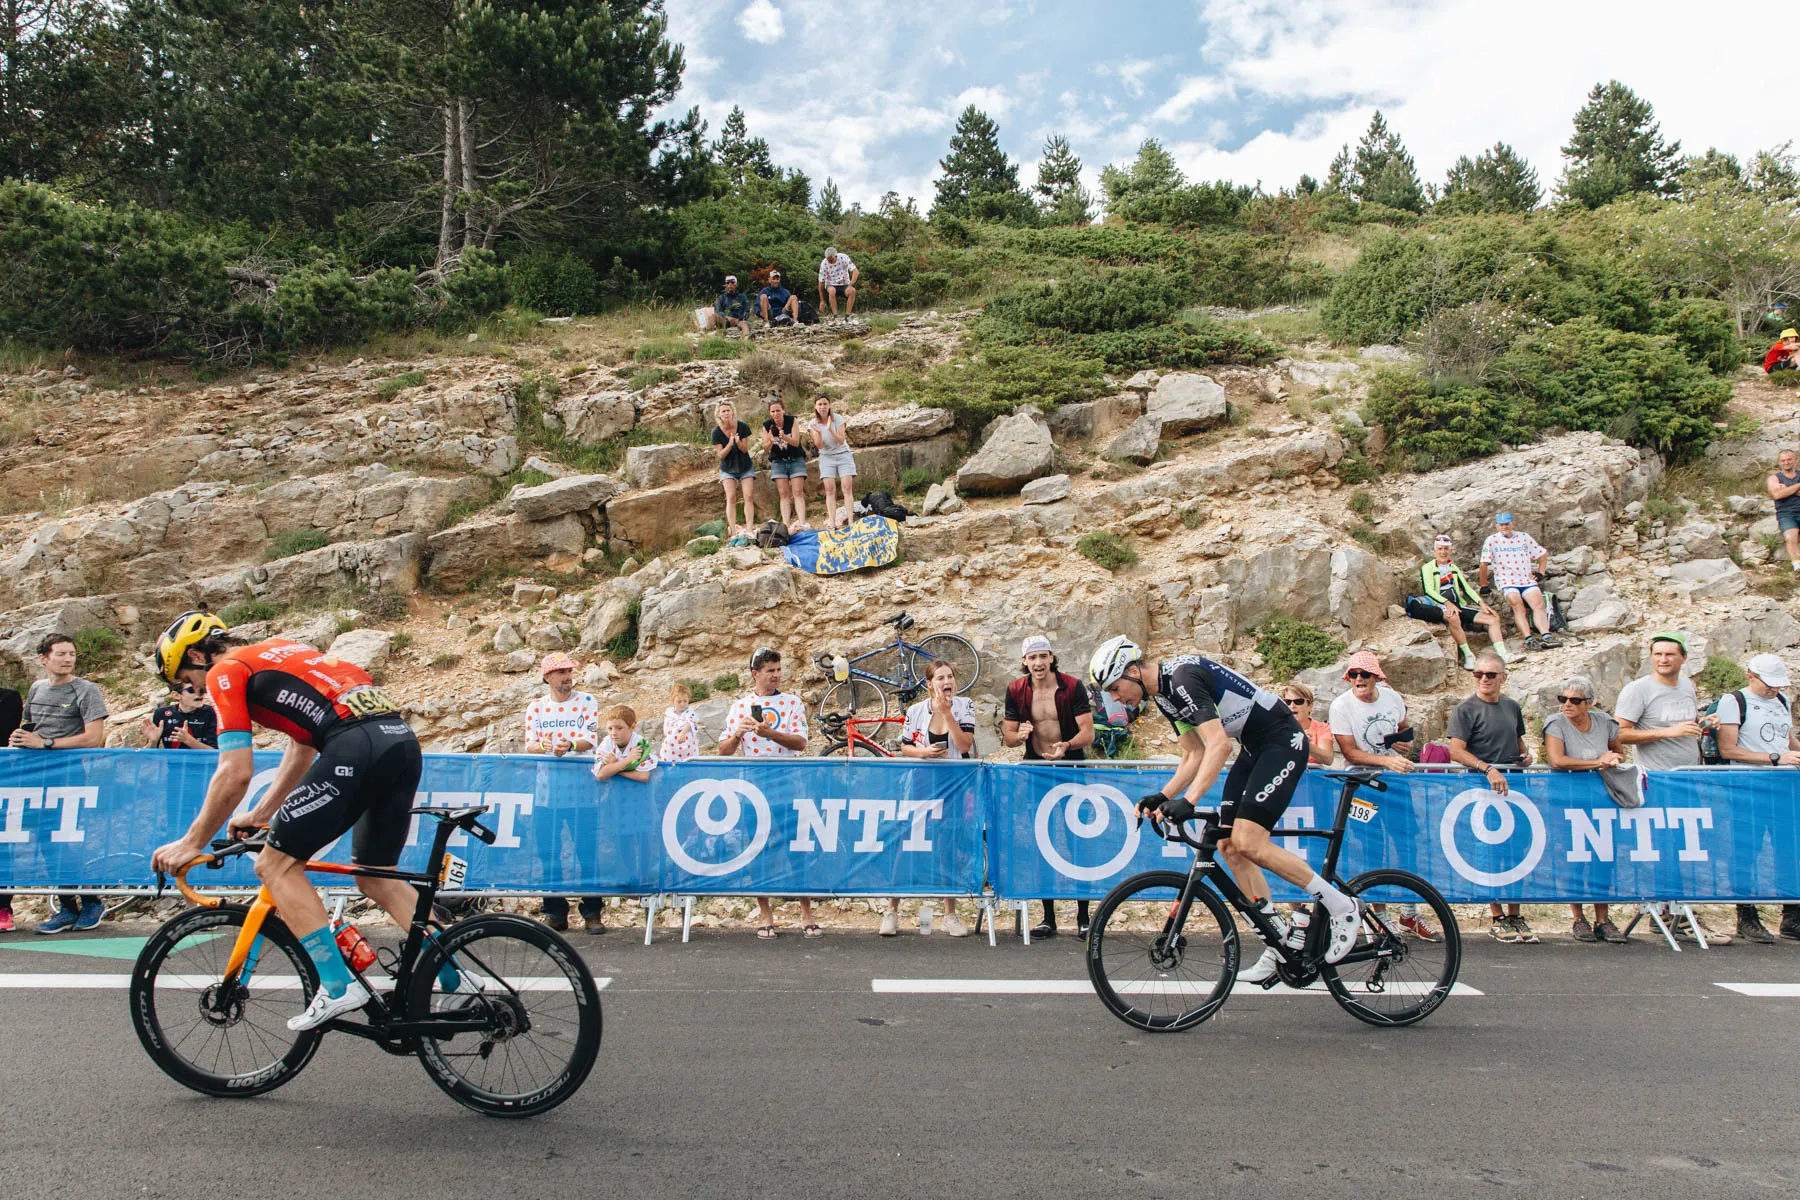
<point x="1789" y="990"/>
<point x="1081" y="987"/>
<point x="91" y="982"/>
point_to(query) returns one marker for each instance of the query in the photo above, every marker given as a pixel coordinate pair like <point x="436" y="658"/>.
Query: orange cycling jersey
<point x="291" y="688"/>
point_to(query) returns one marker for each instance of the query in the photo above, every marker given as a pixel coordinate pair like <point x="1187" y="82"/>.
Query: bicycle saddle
<point x="457" y="815"/>
<point x="900" y="621"/>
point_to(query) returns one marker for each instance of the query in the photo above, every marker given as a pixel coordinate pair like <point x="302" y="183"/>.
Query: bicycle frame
<point x="851" y="736"/>
<point x="907" y="682"/>
<point x="394" y="1035"/>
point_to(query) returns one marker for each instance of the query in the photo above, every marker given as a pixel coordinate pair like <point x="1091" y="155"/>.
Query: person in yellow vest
<point x="1443" y="584"/>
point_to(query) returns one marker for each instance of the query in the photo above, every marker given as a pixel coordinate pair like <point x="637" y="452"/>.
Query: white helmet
<point x="1108" y="664"/>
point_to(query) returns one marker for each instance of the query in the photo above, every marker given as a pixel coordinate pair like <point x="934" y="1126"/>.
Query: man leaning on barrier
<point x="1755" y="727"/>
<point x="1487" y="732"/>
<point x="1582" y="738"/>
<point x="63" y="712"/>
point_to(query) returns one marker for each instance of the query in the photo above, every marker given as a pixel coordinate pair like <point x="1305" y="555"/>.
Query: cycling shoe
<point x="1344" y="931"/>
<point x="1260" y="971"/>
<point x="325" y="1006"/>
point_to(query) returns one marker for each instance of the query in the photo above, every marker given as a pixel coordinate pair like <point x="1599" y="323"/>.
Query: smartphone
<point x="1402" y="735"/>
<point x="756" y="713"/>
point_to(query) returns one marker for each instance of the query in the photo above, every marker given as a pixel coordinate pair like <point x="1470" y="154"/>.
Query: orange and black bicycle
<point x="213" y="989"/>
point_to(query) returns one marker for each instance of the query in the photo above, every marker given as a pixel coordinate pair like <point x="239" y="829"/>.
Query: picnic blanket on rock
<point x="869" y="542"/>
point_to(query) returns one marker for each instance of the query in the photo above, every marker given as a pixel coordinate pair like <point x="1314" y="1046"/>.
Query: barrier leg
<point x="687" y="917"/>
<point x="1656" y="916"/>
<point x="988" y="907"/>
<point x="1023" y="919"/>
<point x="1693" y="924"/>
<point x="649" y="918"/>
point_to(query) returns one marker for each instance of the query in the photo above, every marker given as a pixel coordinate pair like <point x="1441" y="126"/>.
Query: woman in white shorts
<point x="837" y="466"/>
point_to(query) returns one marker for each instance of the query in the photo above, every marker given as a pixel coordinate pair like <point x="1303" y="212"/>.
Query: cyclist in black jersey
<point x="1209" y="705"/>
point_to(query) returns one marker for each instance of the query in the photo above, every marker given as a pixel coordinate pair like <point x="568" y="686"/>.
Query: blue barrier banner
<point x="90" y="819"/>
<point x="721" y="826"/>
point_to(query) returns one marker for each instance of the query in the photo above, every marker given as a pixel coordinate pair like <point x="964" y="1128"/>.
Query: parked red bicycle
<point x="844" y="735"/>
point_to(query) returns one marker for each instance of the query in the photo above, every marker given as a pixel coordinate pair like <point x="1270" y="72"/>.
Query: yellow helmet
<point x="189" y="629"/>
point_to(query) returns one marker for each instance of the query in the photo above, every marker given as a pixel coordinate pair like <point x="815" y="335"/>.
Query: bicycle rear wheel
<point x="1395" y="976"/>
<point x="542" y="1010"/>
<point x="1150" y="975"/>
<point x="218" y="1040"/>
<point x="953" y="649"/>
<point x="862" y="700"/>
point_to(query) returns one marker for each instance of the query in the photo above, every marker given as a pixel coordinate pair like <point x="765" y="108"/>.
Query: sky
<point x="867" y="91"/>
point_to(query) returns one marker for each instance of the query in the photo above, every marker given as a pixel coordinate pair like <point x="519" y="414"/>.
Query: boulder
<point x="885" y="464"/>
<point x="1188" y="403"/>
<point x="1315" y="374"/>
<point x="1115" y="412"/>
<point x="684" y="607"/>
<point x="1072" y="420"/>
<point x="1018" y="449"/>
<point x="1747" y="506"/>
<point x="518" y="662"/>
<point x="653" y="466"/>
<point x="881" y="426"/>
<point x="1047" y="490"/>
<point x="604" y="622"/>
<point x="1143" y="381"/>
<point x="1755" y="624"/>
<point x="1361" y="589"/>
<point x="572" y="494"/>
<point x="597" y="417"/>
<point x="507" y="637"/>
<point x="461" y="553"/>
<point x="1605" y="614"/>
<point x="1706" y="578"/>
<point x="1424" y="667"/>
<point x="391" y="565"/>
<point x="935" y="496"/>
<point x="1139" y="442"/>
<point x="318" y="631"/>
<point x="524" y="595"/>
<point x="365" y="648"/>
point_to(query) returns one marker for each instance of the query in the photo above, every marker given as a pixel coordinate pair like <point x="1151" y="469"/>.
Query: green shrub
<point x="443" y="662"/>
<point x="393" y="385"/>
<point x="97" y="648"/>
<point x="295" y="541"/>
<point x="918" y="479"/>
<point x="1362" y="503"/>
<point x="651" y="377"/>
<point x="243" y="612"/>
<point x="714" y="529"/>
<point x="665" y="350"/>
<point x="698" y="689"/>
<point x="769" y="374"/>
<point x="624" y="647"/>
<point x="1106" y="550"/>
<point x="1095" y="301"/>
<point x="713" y="348"/>
<point x="727" y="682"/>
<point x="1288" y="646"/>
<point x="1721" y="675"/>
<point x="1703" y="331"/>
<point x="999" y="380"/>
<point x="703" y="547"/>
<point x="558" y="285"/>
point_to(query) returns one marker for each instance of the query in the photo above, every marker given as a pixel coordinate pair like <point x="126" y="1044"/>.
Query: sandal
<point x="812" y="931"/>
<point x="766" y="933"/>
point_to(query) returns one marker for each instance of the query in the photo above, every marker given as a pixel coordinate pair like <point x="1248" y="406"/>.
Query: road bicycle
<point x="1163" y="950"/>
<point x="899" y="667"/>
<point x="213" y="988"/>
<point x="844" y="735"/>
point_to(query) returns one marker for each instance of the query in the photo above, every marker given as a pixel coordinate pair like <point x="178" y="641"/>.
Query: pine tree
<point x="1384" y="170"/>
<point x="1617" y="150"/>
<point x="1061" y="198"/>
<point x="831" y="203"/>
<point x="1496" y="180"/>
<point x="979" y="182"/>
<point x="743" y="157"/>
<point x="1341" y="179"/>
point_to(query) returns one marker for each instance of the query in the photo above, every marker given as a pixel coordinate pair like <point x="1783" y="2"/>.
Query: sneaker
<point x="1344" y="931"/>
<point x="1751" y="929"/>
<point x="1606" y="931"/>
<point x="61" y="921"/>
<point x="325" y="1006"/>
<point x="890" y="924"/>
<point x="1583" y="931"/>
<point x="1534" y="643"/>
<point x="1502" y="930"/>
<point x="1714" y="937"/>
<point x="1260" y="971"/>
<point x="560" y="924"/>
<point x="1791" y="930"/>
<point x="1419" y="928"/>
<point x="1549" y="641"/>
<point x="1506" y="656"/>
<point x="953" y="925"/>
<point x="1526" y="936"/>
<point x="89" y="917"/>
<point x="1468" y="659"/>
<point x="594" y="926"/>
<point x="6" y="922"/>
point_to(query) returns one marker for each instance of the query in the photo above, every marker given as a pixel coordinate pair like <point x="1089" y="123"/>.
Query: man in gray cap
<point x="1050" y="714"/>
<point x="1756" y="728"/>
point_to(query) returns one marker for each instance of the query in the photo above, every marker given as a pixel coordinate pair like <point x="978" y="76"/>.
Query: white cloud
<point x="1202" y="89"/>
<point x="761" y="22"/>
<point x="991" y="100"/>
<point x="1130" y="72"/>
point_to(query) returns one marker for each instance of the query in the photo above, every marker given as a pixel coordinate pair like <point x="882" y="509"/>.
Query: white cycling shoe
<point x="470" y="983"/>
<point x="1260" y="971"/>
<point x="325" y="1006"/>
<point x="1344" y="932"/>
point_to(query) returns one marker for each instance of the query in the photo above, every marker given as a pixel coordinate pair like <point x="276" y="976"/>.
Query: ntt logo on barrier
<point x="718" y="810"/>
<point x="1491" y="821"/>
<point x="1087" y="814"/>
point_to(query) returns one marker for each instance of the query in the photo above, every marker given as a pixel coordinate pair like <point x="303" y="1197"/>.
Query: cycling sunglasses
<point x="1353" y="676"/>
<point x="1574" y="699"/>
<point x="1295" y="701"/>
<point x="762" y="656"/>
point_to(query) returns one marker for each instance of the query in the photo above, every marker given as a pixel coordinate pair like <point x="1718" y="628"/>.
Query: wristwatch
<point x="1774" y="759"/>
<point x="49" y="743"/>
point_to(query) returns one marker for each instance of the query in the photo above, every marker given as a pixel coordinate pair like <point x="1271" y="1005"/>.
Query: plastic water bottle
<point x="1276" y="919"/>
<point x="924" y="918"/>
<point x="1296" y="938"/>
<point x="840" y="668"/>
<point x="355" y="948"/>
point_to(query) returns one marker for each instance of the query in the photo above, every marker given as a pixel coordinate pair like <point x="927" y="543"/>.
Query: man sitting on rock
<point x="1784" y="355"/>
<point x="1515" y="560"/>
<point x="1458" y="605"/>
<point x="731" y="310"/>
<point x="776" y="305"/>
<point x="837" y="278"/>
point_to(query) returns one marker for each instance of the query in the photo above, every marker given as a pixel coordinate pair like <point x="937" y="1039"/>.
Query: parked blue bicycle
<point x="900" y="667"/>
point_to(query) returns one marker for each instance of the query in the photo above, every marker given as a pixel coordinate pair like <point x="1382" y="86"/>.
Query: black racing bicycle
<point x="213" y="988"/>
<point x="1164" y="951"/>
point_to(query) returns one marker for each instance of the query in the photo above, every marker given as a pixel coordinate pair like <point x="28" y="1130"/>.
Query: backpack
<point x="772" y="535"/>
<point x="1709" y="726"/>
<point x="1553" y="610"/>
<point x="883" y="505"/>
<point x="808" y="314"/>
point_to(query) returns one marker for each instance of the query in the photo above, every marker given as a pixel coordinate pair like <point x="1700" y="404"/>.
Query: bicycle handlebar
<point x="1172" y="831"/>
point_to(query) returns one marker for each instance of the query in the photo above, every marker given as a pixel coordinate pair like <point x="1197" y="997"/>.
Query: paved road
<point x="738" y="1069"/>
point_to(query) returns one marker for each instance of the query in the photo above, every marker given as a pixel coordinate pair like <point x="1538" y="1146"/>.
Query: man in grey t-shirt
<point x="65" y="713"/>
<point x="1659" y="714"/>
<point x="1487" y="731"/>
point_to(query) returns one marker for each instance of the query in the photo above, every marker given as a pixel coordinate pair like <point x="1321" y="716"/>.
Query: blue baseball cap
<point x="1503" y="519"/>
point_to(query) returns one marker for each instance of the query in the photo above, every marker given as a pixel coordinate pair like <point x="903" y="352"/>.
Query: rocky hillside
<point x="414" y="516"/>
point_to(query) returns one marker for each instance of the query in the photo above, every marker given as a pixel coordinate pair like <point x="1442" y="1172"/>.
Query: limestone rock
<point x="597" y="417"/>
<point x="518" y="662"/>
<point x="653" y="466"/>
<point x="524" y="595"/>
<point x="935" y="495"/>
<point x="1018" y="449"/>
<point x="880" y="426"/>
<point x="317" y="631"/>
<point x="1605" y="614"/>
<point x="1424" y="667"/>
<point x="387" y="565"/>
<point x="1315" y="374"/>
<point x="1139" y="442"/>
<point x="573" y="494"/>
<point x="604" y="622"/>
<point x="1747" y="506"/>
<point x="1143" y="381"/>
<point x="461" y="553"/>
<point x="1072" y="420"/>
<point x="1697" y="539"/>
<point x="1188" y="403"/>
<point x="507" y="638"/>
<point x="1047" y="490"/>
<point x="1706" y="578"/>
<point x="365" y="648"/>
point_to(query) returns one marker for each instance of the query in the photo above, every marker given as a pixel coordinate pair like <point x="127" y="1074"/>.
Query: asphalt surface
<point x="733" y="1068"/>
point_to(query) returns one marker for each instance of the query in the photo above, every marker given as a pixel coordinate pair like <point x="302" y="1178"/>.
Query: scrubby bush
<point x="1721" y="676"/>
<point x="242" y="612"/>
<point x="769" y="374"/>
<point x="1106" y="550"/>
<point x="560" y="285"/>
<point x="296" y="541"/>
<point x="1289" y="645"/>
<point x="664" y="350"/>
<point x="1094" y="302"/>
<point x="1703" y="331"/>
<point x="1000" y="379"/>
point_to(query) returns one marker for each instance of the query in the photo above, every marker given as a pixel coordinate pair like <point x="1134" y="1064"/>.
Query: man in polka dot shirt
<point x="560" y="721"/>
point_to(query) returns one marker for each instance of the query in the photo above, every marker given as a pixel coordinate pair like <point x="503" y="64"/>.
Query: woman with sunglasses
<point x="1582" y="738"/>
<point x="1321" y="746"/>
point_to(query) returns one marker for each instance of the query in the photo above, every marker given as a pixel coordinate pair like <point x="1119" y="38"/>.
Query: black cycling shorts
<point x="1260" y="784"/>
<point x="364" y="778"/>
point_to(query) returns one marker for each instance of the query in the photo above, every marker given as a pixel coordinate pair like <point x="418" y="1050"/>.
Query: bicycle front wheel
<point x="1406" y="958"/>
<point x="540" y="1005"/>
<point x="217" y="1039"/>
<point x="1151" y="972"/>
<point x="862" y="700"/>
<point x="958" y="651"/>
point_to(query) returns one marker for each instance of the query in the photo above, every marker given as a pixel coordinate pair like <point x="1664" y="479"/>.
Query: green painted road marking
<point x="101" y="947"/>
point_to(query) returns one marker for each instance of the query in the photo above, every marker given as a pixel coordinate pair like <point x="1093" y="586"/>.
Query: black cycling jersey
<point x="1191" y="690"/>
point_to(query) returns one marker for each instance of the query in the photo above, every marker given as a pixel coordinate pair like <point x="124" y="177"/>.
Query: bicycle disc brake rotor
<point x="1166" y="952"/>
<point x="221" y="1004"/>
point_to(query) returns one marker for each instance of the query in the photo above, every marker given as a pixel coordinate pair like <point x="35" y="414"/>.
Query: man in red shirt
<point x="1049" y="713"/>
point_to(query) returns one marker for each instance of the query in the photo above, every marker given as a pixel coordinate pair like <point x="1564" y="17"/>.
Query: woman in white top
<point x="837" y="466"/>
<point x="940" y="727"/>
